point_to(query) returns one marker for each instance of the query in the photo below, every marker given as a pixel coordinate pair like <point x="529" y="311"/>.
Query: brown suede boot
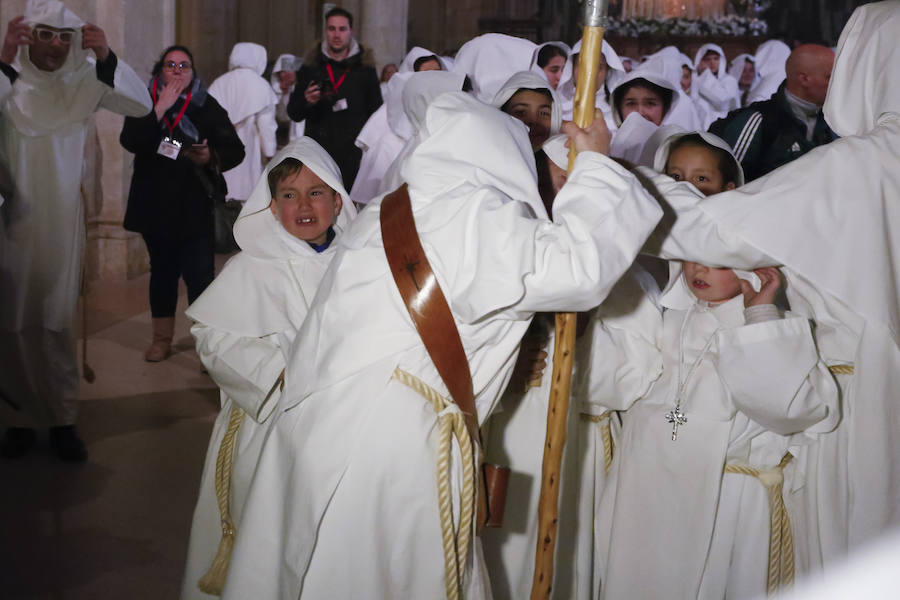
<point x="161" y="347"/>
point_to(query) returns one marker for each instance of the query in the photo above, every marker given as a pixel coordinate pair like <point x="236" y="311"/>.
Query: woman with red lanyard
<point x="181" y="149"/>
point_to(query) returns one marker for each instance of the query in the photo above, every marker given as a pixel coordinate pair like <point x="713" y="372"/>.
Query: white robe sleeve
<point x="129" y="95"/>
<point x="688" y="232"/>
<point x="601" y="217"/>
<point x="773" y="372"/>
<point x="245" y="368"/>
<point x="619" y="352"/>
<point x="722" y="94"/>
<point x="266" y="125"/>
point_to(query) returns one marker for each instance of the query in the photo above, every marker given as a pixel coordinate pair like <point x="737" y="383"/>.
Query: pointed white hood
<point x="409" y="61"/>
<point x="242" y="91"/>
<point x="864" y="88"/>
<point x="466" y="144"/>
<point x="491" y="59"/>
<point x="614" y="73"/>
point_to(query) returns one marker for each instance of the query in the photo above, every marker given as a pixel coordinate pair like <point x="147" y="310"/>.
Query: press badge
<point x="339" y="105"/>
<point x="169" y="148"/>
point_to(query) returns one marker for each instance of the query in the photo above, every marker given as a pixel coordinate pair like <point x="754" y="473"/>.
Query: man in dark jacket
<point x="337" y="91"/>
<point x="768" y="134"/>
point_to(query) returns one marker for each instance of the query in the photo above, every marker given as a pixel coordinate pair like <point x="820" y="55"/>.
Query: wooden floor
<point x="116" y="527"/>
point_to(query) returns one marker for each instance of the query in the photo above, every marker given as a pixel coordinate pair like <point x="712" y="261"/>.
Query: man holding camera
<point x="337" y="90"/>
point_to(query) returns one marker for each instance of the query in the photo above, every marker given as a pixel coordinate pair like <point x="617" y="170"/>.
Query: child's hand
<point x="530" y="365"/>
<point x="771" y="281"/>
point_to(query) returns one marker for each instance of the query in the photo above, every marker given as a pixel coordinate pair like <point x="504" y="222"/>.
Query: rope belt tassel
<point x="214" y="580"/>
<point x="781" y="540"/>
<point x="451" y="424"/>
<point x="609" y="445"/>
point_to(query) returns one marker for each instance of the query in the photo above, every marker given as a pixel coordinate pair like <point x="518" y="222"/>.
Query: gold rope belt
<point x="781" y="540"/>
<point x="452" y="423"/>
<point x="841" y="369"/>
<point x="605" y="435"/>
<point x="214" y="580"/>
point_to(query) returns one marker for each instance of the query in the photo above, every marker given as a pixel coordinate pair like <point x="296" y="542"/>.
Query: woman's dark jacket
<point x="174" y="197"/>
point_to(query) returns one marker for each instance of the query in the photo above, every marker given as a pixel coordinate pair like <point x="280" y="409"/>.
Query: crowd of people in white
<point x="725" y="233"/>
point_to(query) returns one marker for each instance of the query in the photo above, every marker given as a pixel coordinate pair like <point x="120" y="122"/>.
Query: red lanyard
<point x="181" y="114"/>
<point x="336" y="84"/>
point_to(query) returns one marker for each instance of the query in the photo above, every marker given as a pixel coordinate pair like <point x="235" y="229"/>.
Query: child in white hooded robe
<point x="719" y="398"/>
<point x="713" y="89"/>
<point x="244" y="324"/>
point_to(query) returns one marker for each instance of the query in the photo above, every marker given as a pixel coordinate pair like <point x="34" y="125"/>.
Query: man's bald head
<point x="808" y="70"/>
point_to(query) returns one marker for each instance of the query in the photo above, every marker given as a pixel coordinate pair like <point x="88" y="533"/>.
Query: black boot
<point x="67" y="445"/>
<point x="17" y="442"/>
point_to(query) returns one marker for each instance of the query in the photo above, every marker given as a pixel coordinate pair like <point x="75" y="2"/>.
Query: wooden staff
<point x="564" y="347"/>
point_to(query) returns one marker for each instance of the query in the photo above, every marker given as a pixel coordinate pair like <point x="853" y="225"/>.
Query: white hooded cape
<point x="534" y="57"/>
<point x="771" y="57"/>
<point x="347" y="430"/>
<point x="715" y="93"/>
<point x="531" y="81"/>
<point x="825" y="218"/>
<point x="250" y="103"/>
<point x="382" y="139"/>
<point x="491" y="59"/>
<point x="244" y="324"/>
<point x="635" y="130"/>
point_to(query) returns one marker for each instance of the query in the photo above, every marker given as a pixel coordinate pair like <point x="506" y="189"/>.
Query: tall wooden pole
<point x="564" y="349"/>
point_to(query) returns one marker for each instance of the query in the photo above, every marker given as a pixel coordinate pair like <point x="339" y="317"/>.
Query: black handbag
<point x="225" y="212"/>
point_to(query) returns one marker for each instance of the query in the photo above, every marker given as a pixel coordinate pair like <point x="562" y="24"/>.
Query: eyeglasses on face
<point x="170" y="65"/>
<point x="46" y="35"/>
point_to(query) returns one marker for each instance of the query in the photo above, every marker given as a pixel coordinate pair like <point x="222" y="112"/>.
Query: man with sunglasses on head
<point x="54" y="86"/>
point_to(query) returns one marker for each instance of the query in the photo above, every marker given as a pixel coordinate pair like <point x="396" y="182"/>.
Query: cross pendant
<point x="676" y="418"/>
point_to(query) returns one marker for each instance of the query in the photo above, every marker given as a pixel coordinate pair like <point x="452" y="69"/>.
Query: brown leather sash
<point x="434" y="322"/>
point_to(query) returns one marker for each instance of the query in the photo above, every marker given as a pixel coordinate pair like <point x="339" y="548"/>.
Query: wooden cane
<point x="564" y="347"/>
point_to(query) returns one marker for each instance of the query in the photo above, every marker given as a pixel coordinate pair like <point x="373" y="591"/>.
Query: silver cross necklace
<point x="676" y="416"/>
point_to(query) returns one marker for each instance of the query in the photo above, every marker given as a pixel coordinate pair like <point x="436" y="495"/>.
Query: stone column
<point x="382" y="27"/>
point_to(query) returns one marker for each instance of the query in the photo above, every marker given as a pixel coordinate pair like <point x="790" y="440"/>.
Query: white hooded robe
<point x="244" y="325"/>
<point x="715" y="93"/>
<point x="250" y="103"/>
<point x="344" y="502"/>
<point x="43" y="124"/>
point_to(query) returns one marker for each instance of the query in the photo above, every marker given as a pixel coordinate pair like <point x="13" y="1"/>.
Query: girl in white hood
<point x="244" y="324"/>
<point x="715" y="91"/>
<point x="721" y="390"/>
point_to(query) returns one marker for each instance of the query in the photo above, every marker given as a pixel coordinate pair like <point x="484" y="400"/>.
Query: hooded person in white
<point x="716" y="93"/>
<point x="836" y="253"/>
<point x="407" y="65"/>
<point x="43" y="125"/>
<point x="386" y="132"/>
<point x="752" y="386"/>
<point x="637" y="127"/>
<point x="250" y="103"/>
<point x="244" y="325"/>
<point x="285" y="64"/>
<point x="614" y="73"/>
<point x="348" y="429"/>
<point x="538" y="130"/>
<point x="736" y="70"/>
<point x="770" y="60"/>
<point x="491" y="59"/>
<point x="419" y="91"/>
<point x="537" y="68"/>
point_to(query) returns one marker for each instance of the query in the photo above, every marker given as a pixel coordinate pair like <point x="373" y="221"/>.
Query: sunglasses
<point x="170" y="65"/>
<point x="46" y="35"/>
